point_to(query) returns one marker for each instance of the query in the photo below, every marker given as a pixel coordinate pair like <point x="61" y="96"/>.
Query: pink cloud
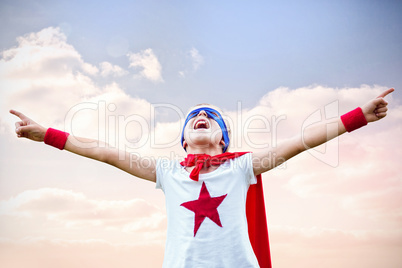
<point x="379" y="205"/>
<point x="50" y="253"/>
<point x="75" y="210"/>
<point x="320" y="247"/>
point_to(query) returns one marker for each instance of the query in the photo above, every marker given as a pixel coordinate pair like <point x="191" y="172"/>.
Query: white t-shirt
<point x="209" y="245"/>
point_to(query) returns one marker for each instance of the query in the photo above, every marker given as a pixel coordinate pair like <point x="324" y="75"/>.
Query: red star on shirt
<point x="205" y="206"/>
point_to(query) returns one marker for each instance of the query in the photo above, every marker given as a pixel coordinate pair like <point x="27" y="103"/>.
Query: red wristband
<point x="56" y="138"/>
<point x="354" y="119"/>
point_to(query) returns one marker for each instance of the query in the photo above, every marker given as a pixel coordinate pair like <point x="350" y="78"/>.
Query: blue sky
<point x="280" y="59"/>
<point x="248" y="48"/>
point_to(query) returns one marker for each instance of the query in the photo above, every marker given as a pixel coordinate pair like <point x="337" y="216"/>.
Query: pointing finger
<point x="20" y="115"/>
<point x="385" y="93"/>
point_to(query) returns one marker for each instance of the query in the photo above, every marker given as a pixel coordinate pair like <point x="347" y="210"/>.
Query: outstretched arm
<point x="139" y="167"/>
<point x="315" y="135"/>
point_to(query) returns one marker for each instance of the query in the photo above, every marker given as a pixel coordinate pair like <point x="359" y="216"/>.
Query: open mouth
<point x="201" y="124"/>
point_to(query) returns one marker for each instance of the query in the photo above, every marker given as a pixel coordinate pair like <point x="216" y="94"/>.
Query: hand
<point x="27" y="128"/>
<point x="377" y="108"/>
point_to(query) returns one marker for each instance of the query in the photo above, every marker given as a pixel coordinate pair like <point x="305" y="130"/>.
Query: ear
<point x="223" y="144"/>
<point x="184" y="144"/>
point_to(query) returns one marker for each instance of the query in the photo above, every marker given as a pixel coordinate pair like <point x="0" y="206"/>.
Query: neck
<point x="209" y="150"/>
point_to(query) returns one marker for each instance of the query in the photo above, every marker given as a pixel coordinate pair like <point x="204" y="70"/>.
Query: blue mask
<point x="215" y="115"/>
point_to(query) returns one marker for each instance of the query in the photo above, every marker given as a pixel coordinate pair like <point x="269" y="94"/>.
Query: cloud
<point x="62" y="93"/>
<point x="381" y="205"/>
<point x="46" y="53"/>
<point x="75" y="210"/>
<point x="196" y="57"/>
<point x="41" y="252"/>
<point x="149" y="63"/>
<point x="196" y="60"/>
<point x="46" y="78"/>
<point x="108" y="69"/>
<point x="317" y="247"/>
<point x="182" y="74"/>
<point x="43" y="68"/>
<point x="335" y="238"/>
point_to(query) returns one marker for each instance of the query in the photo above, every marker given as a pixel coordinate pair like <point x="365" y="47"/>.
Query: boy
<point x="206" y="196"/>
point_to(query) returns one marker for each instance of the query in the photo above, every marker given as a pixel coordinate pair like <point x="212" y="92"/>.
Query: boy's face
<point x="202" y="131"/>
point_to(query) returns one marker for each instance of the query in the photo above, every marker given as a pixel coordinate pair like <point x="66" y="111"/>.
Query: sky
<point x="126" y="72"/>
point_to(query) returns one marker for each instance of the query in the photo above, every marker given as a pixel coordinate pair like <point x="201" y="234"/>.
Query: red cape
<point x="257" y="223"/>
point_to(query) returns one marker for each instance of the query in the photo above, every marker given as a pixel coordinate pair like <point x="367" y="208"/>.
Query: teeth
<point x="201" y="122"/>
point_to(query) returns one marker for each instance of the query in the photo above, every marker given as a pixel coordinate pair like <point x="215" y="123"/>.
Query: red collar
<point x="204" y="160"/>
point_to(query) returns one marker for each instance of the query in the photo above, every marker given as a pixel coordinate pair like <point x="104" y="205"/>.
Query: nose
<point x="202" y="112"/>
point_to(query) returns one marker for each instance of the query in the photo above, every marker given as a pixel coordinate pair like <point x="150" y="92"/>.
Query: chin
<point x="199" y="135"/>
<point x="202" y="139"/>
<point x="199" y="139"/>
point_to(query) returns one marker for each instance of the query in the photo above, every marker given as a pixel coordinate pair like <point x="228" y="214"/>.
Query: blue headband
<point x="215" y="115"/>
